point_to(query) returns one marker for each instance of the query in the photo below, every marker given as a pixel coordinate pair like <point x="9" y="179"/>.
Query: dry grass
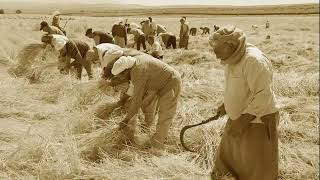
<point x="49" y="129"/>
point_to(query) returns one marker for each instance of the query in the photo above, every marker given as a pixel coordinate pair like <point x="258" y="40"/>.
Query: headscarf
<point x="232" y="35"/>
<point x="59" y="41"/>
<point x="123" y="63"/>
<point x="108" y="53"/>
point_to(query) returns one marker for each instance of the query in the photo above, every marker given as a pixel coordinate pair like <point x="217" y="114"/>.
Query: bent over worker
<point x="155" y="84"/>
<point x="249" y="146"/>
<point x="70" y="49"/>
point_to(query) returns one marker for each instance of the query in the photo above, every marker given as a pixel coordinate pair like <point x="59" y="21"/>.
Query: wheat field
<point x="48" y="127"/>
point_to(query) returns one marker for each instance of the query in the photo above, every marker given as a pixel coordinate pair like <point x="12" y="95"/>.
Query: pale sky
<point x="176" y="2"/>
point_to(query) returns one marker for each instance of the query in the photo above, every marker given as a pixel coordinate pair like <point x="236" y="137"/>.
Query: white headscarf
<point x="59" y="41"/>
<point x="123" y="63"/>
<point x="108" y="52"/>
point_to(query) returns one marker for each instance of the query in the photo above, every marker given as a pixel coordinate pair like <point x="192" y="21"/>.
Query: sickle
<point x="183" y="130"/>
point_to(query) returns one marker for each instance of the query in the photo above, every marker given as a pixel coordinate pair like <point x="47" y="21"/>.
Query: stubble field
<point x="48" y="129"/>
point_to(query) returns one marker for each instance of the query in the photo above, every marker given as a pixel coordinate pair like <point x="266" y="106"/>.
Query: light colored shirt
<point x="156" y="47"/>
<point x="248" y="86"/>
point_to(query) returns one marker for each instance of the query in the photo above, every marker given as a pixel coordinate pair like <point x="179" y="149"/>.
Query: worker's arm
<point x="258" y="75"/>
<point x="125" y="35"/>
<point x="139" y="79"/>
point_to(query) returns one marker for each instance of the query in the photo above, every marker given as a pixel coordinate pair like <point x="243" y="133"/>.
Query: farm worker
<point x="148" y="28"/>
<point x="70" y="49"/>
<point x="119" y="32"/>
<point x="155" y="48"/>
<point x="249" y="146"/>
<point x="161" y="29"/>
<point x="267" y="24"/>
<point x="44" y="26"/>
<point x="184" y="34"/>
<point x="169" y="40"/>
<point x="155" y="84"/>
<point x="139" y="37"/>
<point x="56" y="21"/>
<point x="99" y="37"/>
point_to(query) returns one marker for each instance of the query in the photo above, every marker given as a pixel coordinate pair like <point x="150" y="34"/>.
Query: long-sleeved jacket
<point x="149" y="29"/>
<point x="120" y="31"/>
<point x="148" y="74"/>
<point x="136" y="32"/>
<point x="55" y="30"/>
<point x="184" y="30"/>
<point x="75" y="49"/>
<point x="248" y="87"/>
<point x="165" y="37"/>
<point x="101" y="37"/>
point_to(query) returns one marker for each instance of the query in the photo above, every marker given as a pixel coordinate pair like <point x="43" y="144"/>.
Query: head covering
<point x="108" y="53"/>
<point x="89" y="31"/>
<point x="123" y="63"/>
<point x="56" y="13"/>
<point x="232" y="35"/>
<point x="43" y="24"/>
<point x="59" y="41"/>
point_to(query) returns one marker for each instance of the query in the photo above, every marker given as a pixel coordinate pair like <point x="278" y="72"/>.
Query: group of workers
<point x="249" y="146"/>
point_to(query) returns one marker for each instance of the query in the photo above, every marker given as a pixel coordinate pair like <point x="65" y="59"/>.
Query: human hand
<point x="221" y="110"/>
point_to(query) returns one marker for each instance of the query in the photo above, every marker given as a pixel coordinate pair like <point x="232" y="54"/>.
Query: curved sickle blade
<point x="185" y="128"/>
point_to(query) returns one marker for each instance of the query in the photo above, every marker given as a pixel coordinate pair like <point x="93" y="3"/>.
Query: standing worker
<point x="184" y="34"/>
<point x="249" y="145"/>
<point x="119" y="32"/>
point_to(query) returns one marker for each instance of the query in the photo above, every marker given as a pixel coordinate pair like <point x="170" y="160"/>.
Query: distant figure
<point x="132" y="25"/>
<point x="119" y="33"/>
<point x="205" y="30"/>
<point x="139" y="37"/>
<point x="254" y="27"/>
<point x="161" y="29"/>
<point x="193" y="31"/>
<point x="148" y="28"/>
<point x="267" y="25"/>
<point x="44" y="26"/>
<point x="99" y="37"/>
<point x="155" y="49"/>
<point x="169" y="40"/>
<point x="56" y="21"/>
<point x="184" y="34"/>
<point x="216" y="28"/>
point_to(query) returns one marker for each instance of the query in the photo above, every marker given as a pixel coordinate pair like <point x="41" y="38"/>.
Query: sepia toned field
<point x="48" y="129"/>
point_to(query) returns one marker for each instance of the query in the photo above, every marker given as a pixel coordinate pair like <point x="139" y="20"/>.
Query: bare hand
<point x="221" y="110"/>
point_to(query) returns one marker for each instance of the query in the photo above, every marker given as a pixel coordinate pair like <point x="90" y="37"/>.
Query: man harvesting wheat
<point x="249" y="146"/>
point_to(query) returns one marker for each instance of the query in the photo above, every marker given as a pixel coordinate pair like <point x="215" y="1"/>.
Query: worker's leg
<point x="225" y="155"/>
<point x="259" y="150"/>
<point x="149" y="108"/>
<point x="174" y="42"/>
<point x="187" y="42"/>
<point x="143" y="40"/>
<point x="139" y="43"/>
<point x="87" y="66"/>
<point x="167" y="110"/>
